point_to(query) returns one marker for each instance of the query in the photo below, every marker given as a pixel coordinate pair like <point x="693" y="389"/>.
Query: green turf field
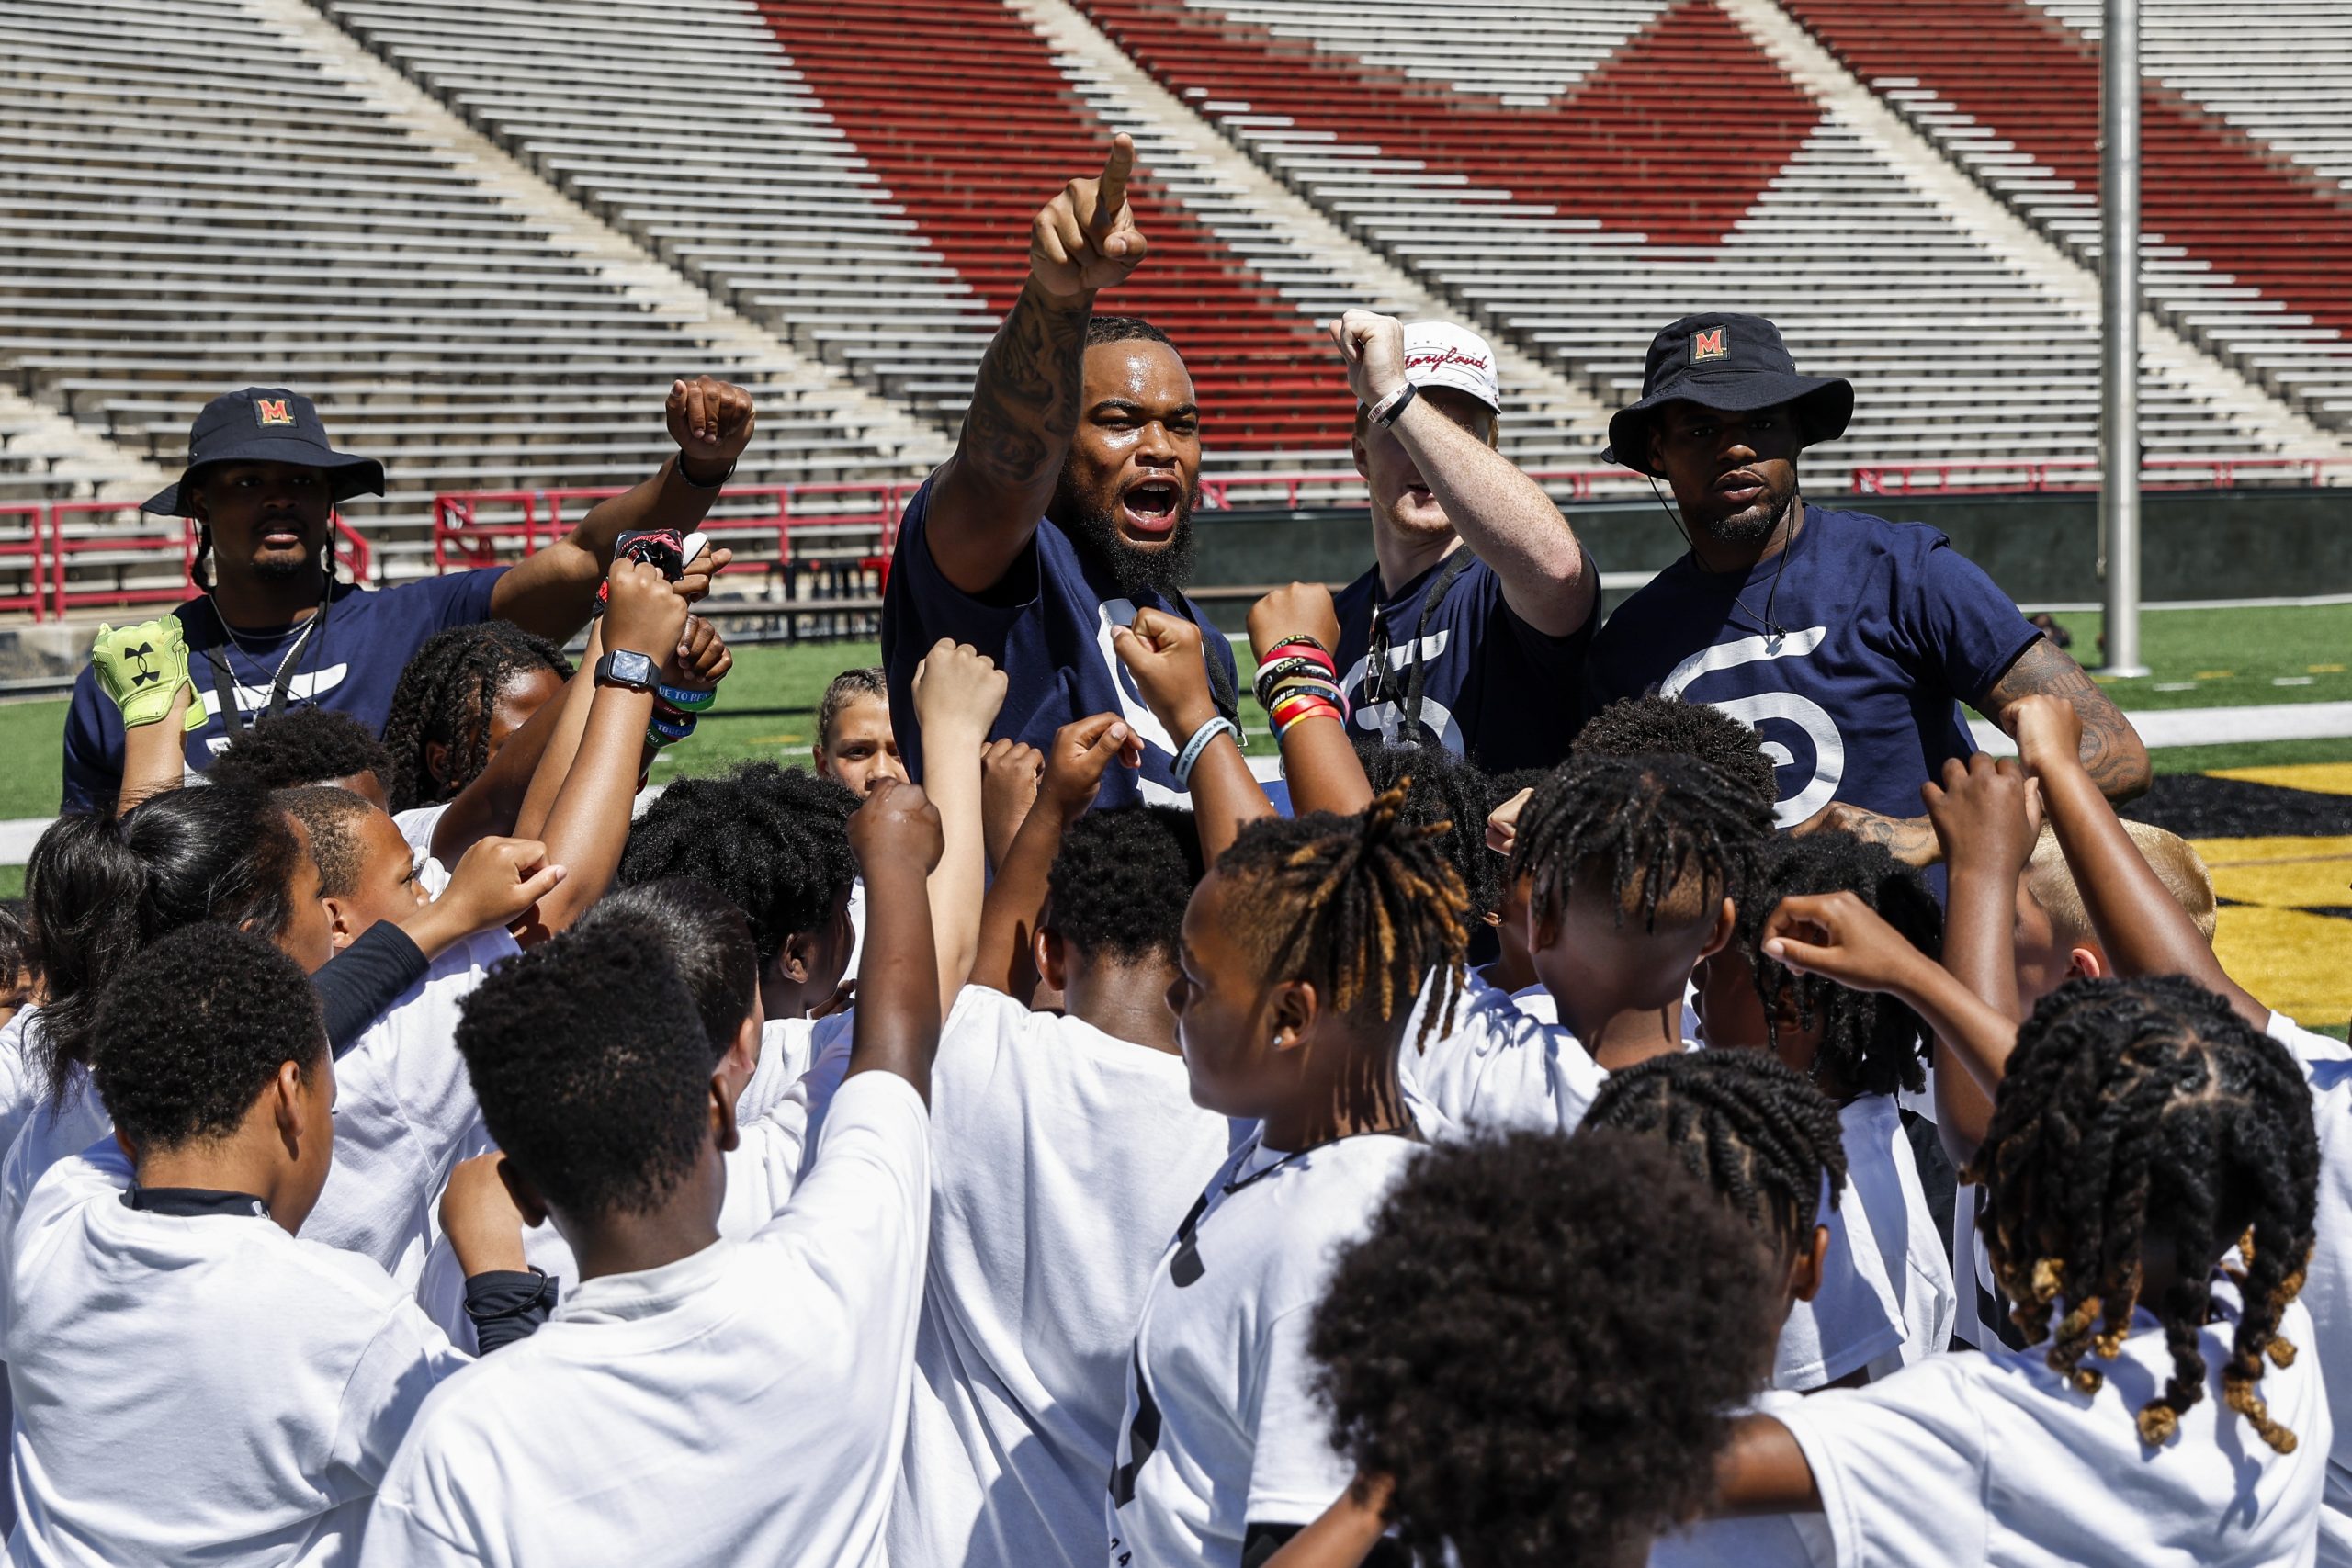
<point x="2200" y="658"/>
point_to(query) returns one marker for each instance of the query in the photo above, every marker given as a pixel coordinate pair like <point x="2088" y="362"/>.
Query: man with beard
<point x="275" y="629"/>
<point x="1848" y="642"/>
<point x="1471" y="627"/>
<point x="1067" y="507"/>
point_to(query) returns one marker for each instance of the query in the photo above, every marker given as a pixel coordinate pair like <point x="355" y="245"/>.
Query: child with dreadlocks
<point x="2151" y="1168"/>
<point x="1629" y="864"/>
<point x="1066" y="1147"/>
<point x="2146" y="914"/>
<point x="1887" y="1250"/>
<point x="1300" y="958"/>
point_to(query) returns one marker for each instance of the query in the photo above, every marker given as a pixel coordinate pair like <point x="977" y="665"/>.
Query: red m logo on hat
<point x="273" y="411"/>
<point x="1708" y="344"/>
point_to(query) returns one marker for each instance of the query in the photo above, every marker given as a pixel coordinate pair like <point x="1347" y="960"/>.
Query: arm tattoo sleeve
<point x="2112" y="753"/>
<point x="1024" y="405"/>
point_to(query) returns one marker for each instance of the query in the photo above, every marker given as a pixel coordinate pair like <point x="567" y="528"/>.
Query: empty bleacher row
<point x="861" y="178"/>
<point x="191" y="200"/>
<point x="1583" y="170"/>
<point x="2246" y="247"/>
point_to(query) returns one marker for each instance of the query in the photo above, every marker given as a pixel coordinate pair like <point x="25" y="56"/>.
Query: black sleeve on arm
<point x="360" y="982"/>
<point x="507" y="1305"/>
<point x="1259" y="1542"/>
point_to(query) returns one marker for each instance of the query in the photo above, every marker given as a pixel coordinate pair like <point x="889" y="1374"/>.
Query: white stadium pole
<point x="2118" y="196"/>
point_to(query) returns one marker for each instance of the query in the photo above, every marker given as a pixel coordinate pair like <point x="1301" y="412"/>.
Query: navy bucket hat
<point x="1734" y="363"/>
<point x="266" y="424"/>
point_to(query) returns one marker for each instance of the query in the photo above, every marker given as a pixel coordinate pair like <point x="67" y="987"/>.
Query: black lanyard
<point x="1377" y="672"/>
<point x="224" y="680"/>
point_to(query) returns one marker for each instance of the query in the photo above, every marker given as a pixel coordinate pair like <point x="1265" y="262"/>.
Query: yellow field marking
<point x="777" y="740"/>
<point x="2323" y="778"/>
<point x="2216" y="674"/>
<point x="2300" y="964"/>
<point x="2218" y="853"/>
<point x="2322" y="668"/>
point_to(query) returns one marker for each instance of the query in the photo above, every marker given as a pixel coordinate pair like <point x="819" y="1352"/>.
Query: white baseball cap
<point x="1438" y="354"/>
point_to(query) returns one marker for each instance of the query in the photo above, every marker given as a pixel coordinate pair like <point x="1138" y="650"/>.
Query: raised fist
<point x="711" y="422"/>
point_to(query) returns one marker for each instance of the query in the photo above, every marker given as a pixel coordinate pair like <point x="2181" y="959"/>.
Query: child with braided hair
<point x="1301" y="956"/>
<point x="463" y="695"/>
<point x="2147" y="922"/>
<point x="2151" y="1169"/>
<point x="1629" y="864"/>
<point x="1887" y="1297"/>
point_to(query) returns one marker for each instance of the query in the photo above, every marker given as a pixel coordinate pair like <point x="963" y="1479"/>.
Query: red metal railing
<point x="2076" y="475"/>
<point x="145" y="543"/>
<point x="29" y="550"/>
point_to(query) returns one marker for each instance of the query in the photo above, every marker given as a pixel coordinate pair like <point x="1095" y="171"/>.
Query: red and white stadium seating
<point x="1584" y="169"/>
<point x="2247" y="139"/>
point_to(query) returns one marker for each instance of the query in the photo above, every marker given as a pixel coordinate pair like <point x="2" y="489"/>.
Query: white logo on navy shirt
<point x="1828" y="744"/>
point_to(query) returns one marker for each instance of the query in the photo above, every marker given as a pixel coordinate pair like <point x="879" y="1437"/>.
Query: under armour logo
<point x="145" y="654"/>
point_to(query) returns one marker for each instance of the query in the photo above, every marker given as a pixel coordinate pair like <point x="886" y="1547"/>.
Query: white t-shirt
<point x="403" y="1111"/>
<point x="742" y="1405"/>
<point x="1994" y="1459"/>
<point x="2328" y="1288"/>
<point x="1062" y="1161"/>
<point x="200" y="1388"/>
<point x="1883" y="1176"/>
<point x="1762" y="1540"/>
<point x="1222" y="1427"/>
<point x="19" y="1083"/>
<point x="52" y="1132"/>
<point x="1855" y="1319"/>
<point x="1499" y="1067"/>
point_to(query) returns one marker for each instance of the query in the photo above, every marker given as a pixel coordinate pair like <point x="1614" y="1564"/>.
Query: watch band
<point x="626" y="667"/>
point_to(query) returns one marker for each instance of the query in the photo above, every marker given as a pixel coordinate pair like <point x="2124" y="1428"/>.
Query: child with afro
<point x="2150" y="1171"/>
<point x="147" y="1275"/>
<point x="695" y="1399"/>
<point x="1066" y="1147"/>
<point x="1500" y="1412"/>
<point x="1887" y="1297"/>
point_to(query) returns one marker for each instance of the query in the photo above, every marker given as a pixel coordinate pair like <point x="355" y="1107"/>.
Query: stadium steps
<point x="2244" y="248"/>
<point x="306" y="217"/>
<point x="1548" y="421"/>
<point x="1550" y="163"/>
<point x="911" y="447"/>
<point x="2060" y="273"/>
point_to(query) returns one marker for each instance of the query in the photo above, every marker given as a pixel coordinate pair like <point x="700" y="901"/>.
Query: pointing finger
<point x="1111" y="191"/>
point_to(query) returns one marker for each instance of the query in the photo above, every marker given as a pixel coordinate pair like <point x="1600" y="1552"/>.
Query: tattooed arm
<point x="2112" y="751"/>
<point x="986" y="500"/>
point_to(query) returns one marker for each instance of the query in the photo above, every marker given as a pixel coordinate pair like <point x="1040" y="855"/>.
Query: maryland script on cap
<point x="1425" y="359"/>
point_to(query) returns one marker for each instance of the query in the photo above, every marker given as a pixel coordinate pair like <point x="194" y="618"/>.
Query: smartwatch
<point x="622" y="668"/>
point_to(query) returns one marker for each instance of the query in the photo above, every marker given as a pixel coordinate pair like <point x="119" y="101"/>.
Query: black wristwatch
<point x="622" y="668"/>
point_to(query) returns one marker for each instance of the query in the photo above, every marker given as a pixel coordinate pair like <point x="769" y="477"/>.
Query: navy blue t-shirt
<point x="1048" y="625"/>
<point x="350" y="667"/>
<point x="1888" y="630"/>
<point x="1493" y="688"/>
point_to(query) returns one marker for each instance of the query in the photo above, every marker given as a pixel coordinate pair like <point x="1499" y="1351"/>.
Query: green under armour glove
<point x="142" y="669"/>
